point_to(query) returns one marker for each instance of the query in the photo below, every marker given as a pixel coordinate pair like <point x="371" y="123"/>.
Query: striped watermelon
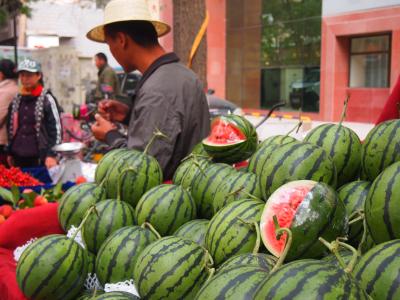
<point x="205" y="185"/>
<point x="239" y="185"/>
<point x="378" y="271"/>
<point x="89" y="295"/>
<point x="380" y="149"/>
<point x="353" y="196"/>
<point x="188" y="170"/>
<point x="106" y="162"/>
<point x="91" y="258"/>
<point x="382" y="207"/>
<point x="238" y="283"/>
<point x="53" y="267"/>
<point x="116" y="296"/>
<point x="194" y="230"/>
<point x="229" y="235"/>
<point x="75" y="202"/>
<point x="199" y="150"/>
<point x="310" y="210"/>
<point x="117" y="256"/>
<point x="132" y="175"/>
<point x="310" y="279"/>
<point x="368" y="244"/>
<point x="171" y="268"/>
<point x="296" y="161"/>
<point x="344" y="147"/>
<point x="264" y="151"/>
<point x="111" y="215"/>
<point x="232" y="139"/>
<point x="166" y="207"/>
<point x="259" y="260"/>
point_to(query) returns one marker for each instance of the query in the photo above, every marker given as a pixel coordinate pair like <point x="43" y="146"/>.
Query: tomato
<point x="80" y="179"/>
<point x="39" y="200"/>
<point x="6" y="210"/>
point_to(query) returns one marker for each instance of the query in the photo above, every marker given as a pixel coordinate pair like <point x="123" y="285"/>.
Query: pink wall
<point x="365" y="103"/>
<point x="167" y="15"/>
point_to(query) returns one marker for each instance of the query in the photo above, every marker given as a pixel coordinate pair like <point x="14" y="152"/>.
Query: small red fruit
<point x="6" y="210"/>
<point x="80" y="179"/>
<point x="39" y="200"/>
<point x="27" y="191"/>
<point x="2" y="219"/>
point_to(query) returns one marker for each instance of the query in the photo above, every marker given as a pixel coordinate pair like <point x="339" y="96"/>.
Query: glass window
<point x="370" y="61"/>
<point x="291" y="52"/>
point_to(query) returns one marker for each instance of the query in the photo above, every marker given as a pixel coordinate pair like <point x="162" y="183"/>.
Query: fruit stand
<point x="320" y="214"/>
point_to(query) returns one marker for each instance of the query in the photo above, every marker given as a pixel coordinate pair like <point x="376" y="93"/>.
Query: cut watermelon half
<point x="224" y="133"/>
<point x="283" y="204"/>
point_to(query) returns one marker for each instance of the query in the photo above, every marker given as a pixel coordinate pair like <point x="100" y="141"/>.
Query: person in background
<point x="33" y="123"/>
<point x="107" y="84"/>
<point x="169" y="96"/>
<point x="8" y="90"/>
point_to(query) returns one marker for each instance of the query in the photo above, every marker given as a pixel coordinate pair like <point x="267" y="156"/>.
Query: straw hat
<point x="126" y="10"/>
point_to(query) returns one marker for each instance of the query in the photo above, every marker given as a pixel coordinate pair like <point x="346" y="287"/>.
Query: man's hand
<point x="102" y="127"/>
<point x="113" y="110"/>
<point x="50" y="162"/>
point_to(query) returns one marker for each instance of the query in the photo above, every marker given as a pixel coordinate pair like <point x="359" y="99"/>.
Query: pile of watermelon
<point x="311" y="219"/>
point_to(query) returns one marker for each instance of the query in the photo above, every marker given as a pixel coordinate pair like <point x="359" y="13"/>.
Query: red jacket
<point x="391" y="109"/>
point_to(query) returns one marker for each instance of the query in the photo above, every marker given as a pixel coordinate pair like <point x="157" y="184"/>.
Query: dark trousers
<point x="26" y="162"/>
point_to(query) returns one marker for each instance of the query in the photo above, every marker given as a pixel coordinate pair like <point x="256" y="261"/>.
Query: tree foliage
<point x="291" y="32"/>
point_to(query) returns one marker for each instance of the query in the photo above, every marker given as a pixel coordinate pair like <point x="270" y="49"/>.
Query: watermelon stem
<point x="208" y="264"/>
<point x="363" y="238"/>
<point x="279" y="232"/>
<point x="344" y="110"/>
<point x="296" y="128"/>
<point x="88" y="212"/>
<point x="152" y="229"/>
<point x="334" y="248"/>
<point x="197" y="164"/>
<point x="359" y="214"/>
<point x="256" y="248"/>
<point x="156" y="134"/>
<point x="119" y="192"/>
<point x="241" y="189"/>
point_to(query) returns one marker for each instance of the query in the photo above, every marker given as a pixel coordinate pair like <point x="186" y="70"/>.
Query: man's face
<point x="29" y="79"/>
<point x="116" y="45"/>
<point x="98" y="62"/>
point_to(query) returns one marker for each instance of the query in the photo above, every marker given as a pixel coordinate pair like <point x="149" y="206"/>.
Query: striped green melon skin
<point x="310" y="279"/>
<point x="297" y="161"/>
<point x="238" y="185"/>
<point x="117" y="256"/>
<point x="353" y="196"/>
<point x="106" y="162"/>
<point x="53" y="267"/>
<point x="264" y="151"/>
<point x="111" y="215"/>
<point x="345" y="254"/>
<point x="382" y="205"/>
<point x="194" y="230"/>
<point x="343" y="146"/>
<point x="380" y="149"/>
<point x="234" y="153"/>
<point x="88" y="295"/>
<point x="378" y="271"/>
<point x="116" y="296"/>
<point x="205" y="185"/>
<point x="238" y="283"/>
<point x="368" y="244"/>
<point x="259" y="260"/>
<point x="188" y="170"/>
<point x="166" y="207"/>
<point x="320" y="214"/>
<point x="199" y="150"/>
<point x="75" y="202"/>
<point x="228" y="235"/>
<point x="91" y="258"/>
<point x="171" y="268"/>
<point x="134" y="174"/>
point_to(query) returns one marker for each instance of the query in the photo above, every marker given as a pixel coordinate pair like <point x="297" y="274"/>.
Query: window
<point x="370" y="61"/>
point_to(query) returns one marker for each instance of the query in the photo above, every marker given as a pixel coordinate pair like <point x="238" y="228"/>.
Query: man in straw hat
<point x="169" y="97"/>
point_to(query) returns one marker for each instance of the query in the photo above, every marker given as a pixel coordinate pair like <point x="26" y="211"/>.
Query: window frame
<point x="388" y="52"/>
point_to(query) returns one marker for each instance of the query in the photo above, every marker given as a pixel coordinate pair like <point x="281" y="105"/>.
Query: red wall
<point x="365" y="104"/>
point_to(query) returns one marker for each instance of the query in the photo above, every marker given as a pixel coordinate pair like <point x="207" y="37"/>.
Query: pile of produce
<point x="15" y="177"/>
<point x="312" y="219"/>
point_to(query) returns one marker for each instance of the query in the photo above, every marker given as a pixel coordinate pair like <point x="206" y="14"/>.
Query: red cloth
<point x="391" y="110"/>
<point x="19" y="228"/>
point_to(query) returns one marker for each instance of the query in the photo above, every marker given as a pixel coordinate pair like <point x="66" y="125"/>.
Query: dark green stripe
<point x="391" y="138"/>
<point x="388" y="199"/>
<point x="177" y="207"/>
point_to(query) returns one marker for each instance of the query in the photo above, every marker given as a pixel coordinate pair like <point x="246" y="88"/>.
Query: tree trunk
<point x="188" y="18"/>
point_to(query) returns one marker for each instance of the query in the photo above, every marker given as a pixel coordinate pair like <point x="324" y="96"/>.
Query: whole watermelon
<point x="231" y="230"/>
<point x="194" y="230"/>
<point x="166" y="207"/>
<point x="378" y="271"/>
<point x="232" y="139"/>
<point x="117" y="256"/>
<point x="76" y="201"/>
<point x="296" y="161"/>
<point x="310" y="279"/>
<point x="171" y="268"/>
<point x="380" y="149"/>
<point x="111" y="215"/>
<point x="382" y="207"/>
<point x="188" y="170"/>
<point x="116" y="296"/>
<point x="238" y="283"/>
<point x="343" y="146"/>
<point x="106" y="162"/>
<point x="259" y="260"/>
<point x="52" y="267"/>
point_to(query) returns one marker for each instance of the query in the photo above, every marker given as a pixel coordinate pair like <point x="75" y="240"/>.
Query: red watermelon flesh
<point x="283" y="203"/>
<point x="224" y="133"/>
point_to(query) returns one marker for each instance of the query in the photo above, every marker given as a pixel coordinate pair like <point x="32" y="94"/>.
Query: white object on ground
<point x="78" y="237"/>
<point x="19" y="250"/>
<point x="127" y="286"/>
<point x="92" y="283"/>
